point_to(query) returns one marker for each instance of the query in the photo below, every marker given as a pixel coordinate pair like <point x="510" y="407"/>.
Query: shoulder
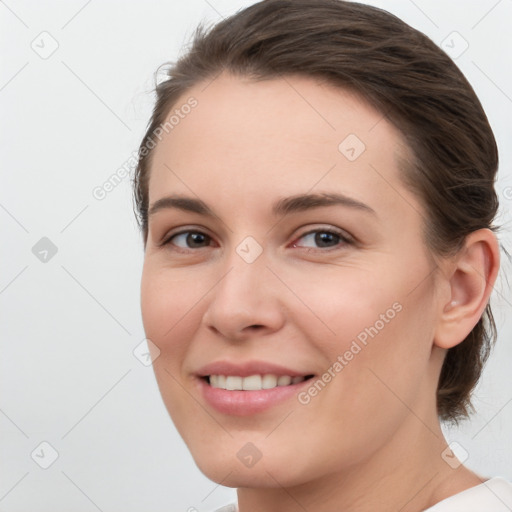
<point x="493" y="495"/>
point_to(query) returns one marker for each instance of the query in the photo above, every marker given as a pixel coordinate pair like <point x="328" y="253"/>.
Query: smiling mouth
<point x="253" y="382"/>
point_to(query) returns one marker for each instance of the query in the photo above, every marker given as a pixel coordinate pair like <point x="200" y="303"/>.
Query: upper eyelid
<point x="337" y="231"/>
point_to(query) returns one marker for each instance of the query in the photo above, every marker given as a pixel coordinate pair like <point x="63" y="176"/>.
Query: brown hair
<point x="402" y="74"/>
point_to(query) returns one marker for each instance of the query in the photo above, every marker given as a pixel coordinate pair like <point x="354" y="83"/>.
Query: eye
<point x="322" y="238"/>
<point x="315" y="239"/>
<point x="189" y="240"/>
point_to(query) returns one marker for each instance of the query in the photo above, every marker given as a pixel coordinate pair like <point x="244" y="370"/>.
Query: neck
<point x="406" y="474"/>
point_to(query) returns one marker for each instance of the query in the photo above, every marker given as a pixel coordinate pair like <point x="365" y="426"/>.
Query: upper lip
<point x="247" y="368"/>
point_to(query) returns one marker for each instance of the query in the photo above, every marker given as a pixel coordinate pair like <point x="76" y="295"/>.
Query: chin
<point x="267" y="472"/>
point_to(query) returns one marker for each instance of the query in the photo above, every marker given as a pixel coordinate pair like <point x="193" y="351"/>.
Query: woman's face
<point x="248" y="272"/>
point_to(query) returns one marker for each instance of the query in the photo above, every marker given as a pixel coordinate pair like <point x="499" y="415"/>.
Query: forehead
<point x="274" y="138"/>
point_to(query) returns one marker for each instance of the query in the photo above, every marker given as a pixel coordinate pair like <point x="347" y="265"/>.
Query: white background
<point x="70" y="325"/>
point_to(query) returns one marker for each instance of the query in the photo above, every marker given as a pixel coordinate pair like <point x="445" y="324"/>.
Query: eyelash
<point x="343" y="239"/>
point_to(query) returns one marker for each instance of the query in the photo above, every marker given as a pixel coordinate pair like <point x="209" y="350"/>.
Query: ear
<point x="470" y="280"/>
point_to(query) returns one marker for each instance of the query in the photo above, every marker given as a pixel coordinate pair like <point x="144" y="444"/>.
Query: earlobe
<point x="471" y="281"/>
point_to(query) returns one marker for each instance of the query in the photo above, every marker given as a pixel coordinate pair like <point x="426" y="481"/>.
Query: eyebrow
<point x="284" y="206"/>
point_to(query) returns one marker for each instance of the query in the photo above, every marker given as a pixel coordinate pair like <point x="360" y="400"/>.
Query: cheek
<point x="343" y="304"/>
<point x="167" y="297"/>
<point x="372" y="330"/>
<point x="389" y="298"/>
<point x="170" y="306"/>
<point x="170" y="312"/>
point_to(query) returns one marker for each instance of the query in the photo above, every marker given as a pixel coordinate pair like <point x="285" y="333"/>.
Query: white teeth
<point x="253" y="382"/>
<point x="284" y="380"/>
<point x="269" y="381"/>
<point x="233" y="383"/>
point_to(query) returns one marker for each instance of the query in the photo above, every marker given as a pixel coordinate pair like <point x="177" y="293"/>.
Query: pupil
<point x="194" y="239"/>
<point x="323" y="239"/>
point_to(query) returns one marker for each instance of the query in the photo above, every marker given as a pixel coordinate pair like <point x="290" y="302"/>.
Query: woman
<point x="315" y="192"/>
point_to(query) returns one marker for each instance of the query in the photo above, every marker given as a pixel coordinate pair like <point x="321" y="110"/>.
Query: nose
<point x="245" y="302"/>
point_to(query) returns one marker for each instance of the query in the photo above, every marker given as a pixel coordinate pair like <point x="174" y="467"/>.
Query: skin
<point x="371" y="438"/>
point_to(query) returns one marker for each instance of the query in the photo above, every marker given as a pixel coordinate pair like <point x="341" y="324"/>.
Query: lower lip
<point x="245" y="403"/>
